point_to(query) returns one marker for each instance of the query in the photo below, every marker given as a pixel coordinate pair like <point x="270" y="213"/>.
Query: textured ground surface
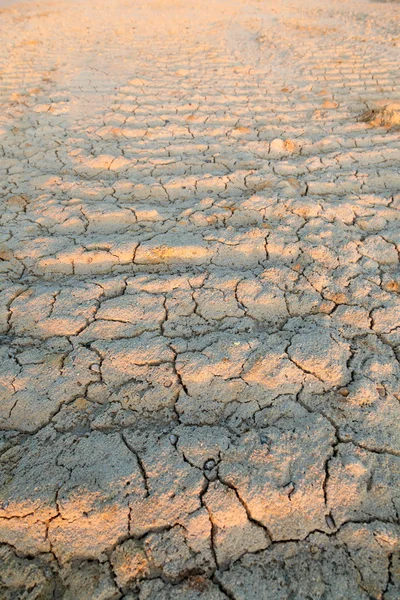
<point x="200" y="308"/>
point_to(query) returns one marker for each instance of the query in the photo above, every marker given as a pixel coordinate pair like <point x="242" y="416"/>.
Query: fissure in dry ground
<point x="200" y="311"/>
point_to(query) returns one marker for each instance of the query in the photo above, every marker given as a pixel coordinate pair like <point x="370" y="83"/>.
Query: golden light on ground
<point x="199" y="308"/>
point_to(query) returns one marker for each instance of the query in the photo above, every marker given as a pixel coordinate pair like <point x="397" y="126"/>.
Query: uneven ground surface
<point x="200" y="309"/>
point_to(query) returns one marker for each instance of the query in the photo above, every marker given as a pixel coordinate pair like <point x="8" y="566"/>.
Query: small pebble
<point x="264" y="439"/>
<point x="210" y="464"/>
<point x="330" y="522"/>
<point x="289" y="489"/>
<point x="173" y="439"/>
<point x="212" y="475"/>
<point x="393" y="286"/>
<point x="344" y="392"/>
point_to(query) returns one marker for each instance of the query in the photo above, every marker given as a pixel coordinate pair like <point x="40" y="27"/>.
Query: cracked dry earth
<point x="200" y="308"/>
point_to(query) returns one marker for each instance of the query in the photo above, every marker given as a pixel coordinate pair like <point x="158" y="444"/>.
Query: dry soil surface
<point x="200" y="311"/>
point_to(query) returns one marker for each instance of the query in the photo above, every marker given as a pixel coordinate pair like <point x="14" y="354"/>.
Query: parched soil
<point x="199" y="306"/>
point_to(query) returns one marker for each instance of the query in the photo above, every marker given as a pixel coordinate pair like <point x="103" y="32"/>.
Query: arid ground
<point x="200" y="310"/>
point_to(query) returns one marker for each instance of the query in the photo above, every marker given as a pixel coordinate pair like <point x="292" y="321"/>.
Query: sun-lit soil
<point x="200" y="314"/>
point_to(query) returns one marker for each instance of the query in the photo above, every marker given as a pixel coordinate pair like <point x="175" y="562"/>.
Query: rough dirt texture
<point x="200" y="308"/>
